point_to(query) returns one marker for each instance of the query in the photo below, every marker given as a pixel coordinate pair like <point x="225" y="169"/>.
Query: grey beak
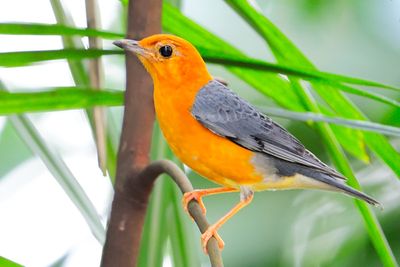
<point x="130" y="45"/>
<point x="119" y="43"/>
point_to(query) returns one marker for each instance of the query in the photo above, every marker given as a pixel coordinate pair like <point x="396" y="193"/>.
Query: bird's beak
<point x="130" y="45"/>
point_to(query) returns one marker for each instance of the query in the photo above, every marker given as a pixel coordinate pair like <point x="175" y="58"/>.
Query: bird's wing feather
<point x="224" y="113"/>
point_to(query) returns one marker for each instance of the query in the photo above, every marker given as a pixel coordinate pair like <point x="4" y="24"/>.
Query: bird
<point x="223" y="137"/>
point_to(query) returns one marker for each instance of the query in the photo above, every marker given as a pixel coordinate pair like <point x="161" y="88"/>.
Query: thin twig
<point x="153" y="170"/>
<point x="96" y="81"/>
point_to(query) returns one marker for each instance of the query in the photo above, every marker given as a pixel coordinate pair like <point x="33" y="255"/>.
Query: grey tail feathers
<point x="342" y="187"/>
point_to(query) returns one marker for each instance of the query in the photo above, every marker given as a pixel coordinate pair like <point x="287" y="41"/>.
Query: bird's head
<point x="168" y="58"/>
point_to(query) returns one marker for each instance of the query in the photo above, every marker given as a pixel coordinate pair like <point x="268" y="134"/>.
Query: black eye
<point x="166" y="51"/>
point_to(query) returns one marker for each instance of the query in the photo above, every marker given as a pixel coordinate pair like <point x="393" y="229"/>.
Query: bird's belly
<point x="210" y="155"/>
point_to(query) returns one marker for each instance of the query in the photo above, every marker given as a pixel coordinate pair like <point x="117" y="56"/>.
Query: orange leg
<point x="198" y="194"/>
<point x="212" y="230"/>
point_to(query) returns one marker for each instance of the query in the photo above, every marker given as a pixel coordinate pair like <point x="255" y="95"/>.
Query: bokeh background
<point x="40" y="226"/>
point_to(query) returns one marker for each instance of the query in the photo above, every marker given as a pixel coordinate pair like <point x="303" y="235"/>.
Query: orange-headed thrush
<point x="221" y="136"/>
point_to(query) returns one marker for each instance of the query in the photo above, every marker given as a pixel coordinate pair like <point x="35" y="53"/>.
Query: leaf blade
<point x="54" y="29"/>
<point x="26" y="58"/>
<point x="57" y="99"/>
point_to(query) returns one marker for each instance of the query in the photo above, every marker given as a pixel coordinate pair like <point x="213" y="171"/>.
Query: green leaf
<point x="57" y="99"/>
<point x="219" y="57"/>
<point x="25" y="58"/>
<point x="365" y="93"/>
<point x="284" y="50"/>
<point x="53" y="29"/>
<point x="64" y="98"/>
<point x="381" y="146"/>
<point x="18" y="59"/>
<point x="175" y="3"/>
<point x="8" y="263"/>
<point x="310" y="116"/>
<point x="353" y="141"/>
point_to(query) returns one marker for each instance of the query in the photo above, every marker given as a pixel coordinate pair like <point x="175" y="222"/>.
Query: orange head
<point x="168" y="59"/>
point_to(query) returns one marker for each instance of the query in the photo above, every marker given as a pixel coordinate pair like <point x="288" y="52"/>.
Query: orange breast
<point x="210" y="155"/>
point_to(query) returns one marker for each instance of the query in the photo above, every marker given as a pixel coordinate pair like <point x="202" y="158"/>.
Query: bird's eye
<point x="166" y="51"/>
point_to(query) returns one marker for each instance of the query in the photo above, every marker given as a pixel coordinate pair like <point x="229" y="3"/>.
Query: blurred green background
<point x="39" y="224"/>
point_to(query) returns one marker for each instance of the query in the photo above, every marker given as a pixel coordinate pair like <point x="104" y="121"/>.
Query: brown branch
<point x="130" y="202"/>
<point x="166" y="166"/>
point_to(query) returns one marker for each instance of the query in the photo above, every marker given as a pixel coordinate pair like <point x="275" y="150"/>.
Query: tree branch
<point x="130" y="202"/>
<point x="152" y="171"/>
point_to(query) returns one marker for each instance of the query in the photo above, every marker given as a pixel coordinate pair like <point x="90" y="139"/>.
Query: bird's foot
<point x="196" y="195"/>
<point x="211" y="232"/>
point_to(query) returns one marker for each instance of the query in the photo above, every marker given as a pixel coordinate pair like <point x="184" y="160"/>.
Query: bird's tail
<point x="339" y="185"/>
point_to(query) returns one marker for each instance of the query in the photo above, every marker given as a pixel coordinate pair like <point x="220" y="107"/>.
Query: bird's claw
<point x="189" y="196"/>
<point x="211" y="232"/>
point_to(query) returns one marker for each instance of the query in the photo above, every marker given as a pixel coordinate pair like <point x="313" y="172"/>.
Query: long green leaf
<point x="212" y="55"/>
<point x="57" y="99"/>
<point x="365" y="93"/>
<point x="53" y="29"/>
<point x="310" y="116"/>
<point x="64" y="98"/>
<point x="283" y="49"/>
<point x="18" y="59"/>
<point x="215" y="56"/>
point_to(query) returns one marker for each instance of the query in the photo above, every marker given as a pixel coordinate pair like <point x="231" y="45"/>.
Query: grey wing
<point x="223" y="112"/>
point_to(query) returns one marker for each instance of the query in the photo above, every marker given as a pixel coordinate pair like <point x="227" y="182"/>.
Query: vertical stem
<point x="96" y="81"/>
<point x="132" y="193"/>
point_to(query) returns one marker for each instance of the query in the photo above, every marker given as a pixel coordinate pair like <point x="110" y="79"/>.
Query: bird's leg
<point x="246" y="196"/>
<point x="198" y="194"/>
